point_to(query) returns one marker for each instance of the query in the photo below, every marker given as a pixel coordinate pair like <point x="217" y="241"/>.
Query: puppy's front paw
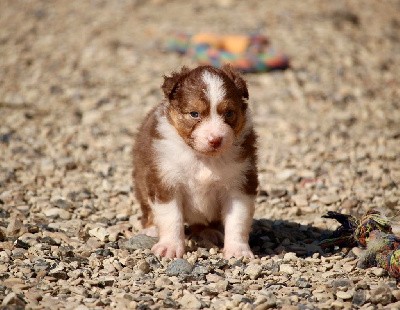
<point x="169" y="248"/>
<point x="237" y="250"/>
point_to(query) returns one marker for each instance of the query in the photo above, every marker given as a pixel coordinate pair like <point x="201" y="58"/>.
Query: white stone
<point x="286" y="268"/>
<point x="100" y="233"/>
<point x="253" y="271"/>
<point x="190" y="301"/>
<point x="290" y="256"/>
<point x="344" y="295"/>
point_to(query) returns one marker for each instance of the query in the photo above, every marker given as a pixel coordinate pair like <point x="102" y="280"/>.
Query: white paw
<point x="151" y="231"/>
<point x="237" y="250"/>
<point x="170" y="249"/>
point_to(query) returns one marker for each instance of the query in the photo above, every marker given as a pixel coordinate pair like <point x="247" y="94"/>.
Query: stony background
<point x="76" y="77"/>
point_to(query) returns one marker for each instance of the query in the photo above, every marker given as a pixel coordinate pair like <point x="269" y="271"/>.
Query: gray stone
<point x="303" y="283"/>
<point x="381" y="295"/>
<point x="62" y="203"/>
<point x="178" y="267"/>
<point x="106" y="281"/>
<point x="138" y="242"/>
<point x="253" y="271"/>
<point x="201" y="270"/>
<point x="342" y="282"/>
<point x="40" y="265"/>
<point x="359" y="298"/>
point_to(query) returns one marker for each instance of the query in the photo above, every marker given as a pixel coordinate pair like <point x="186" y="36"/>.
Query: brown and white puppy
<point x="195" y="160"/>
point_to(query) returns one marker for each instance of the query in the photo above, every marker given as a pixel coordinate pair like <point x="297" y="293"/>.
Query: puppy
<point x="195" y="161"/>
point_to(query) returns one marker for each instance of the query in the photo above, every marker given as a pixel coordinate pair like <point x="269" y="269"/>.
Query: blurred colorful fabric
<point x="252" y="53"/>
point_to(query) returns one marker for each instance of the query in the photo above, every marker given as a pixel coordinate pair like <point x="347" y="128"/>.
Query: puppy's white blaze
<point x="215" y="90"/>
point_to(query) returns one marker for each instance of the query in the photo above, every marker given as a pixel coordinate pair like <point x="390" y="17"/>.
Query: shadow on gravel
<point x="268" y="237"/>
<point x="272" y="237"/>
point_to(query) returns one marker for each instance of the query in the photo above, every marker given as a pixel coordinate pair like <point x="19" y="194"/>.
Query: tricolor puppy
<point x="195" y="161"/>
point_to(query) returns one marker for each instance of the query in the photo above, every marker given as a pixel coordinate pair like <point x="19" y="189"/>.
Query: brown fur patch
<point x="238" y="118"/>
<point x="179" y="116"/>
<point x="148" y="185"/>
<point x="240" y="84"/>
<point x="249" y="150"/>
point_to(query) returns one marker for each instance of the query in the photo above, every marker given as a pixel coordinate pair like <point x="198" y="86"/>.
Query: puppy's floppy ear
<point x="239" y="82"/>
<point x="171" y="83"/>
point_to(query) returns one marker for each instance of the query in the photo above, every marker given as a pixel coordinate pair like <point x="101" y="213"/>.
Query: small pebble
<point x="100" y="233"/>
<point x="189" y="301"/>
<point x="179" y="266"/>
<point x="344" y="295"/>
<point x="381" y="295"/>
<point x="359" y="298"/>
<point x="138" y="242"/>
<point x="143" y="266"/>
<point x="253" y="271"/>
<point x="285" y="268"/>
<point x="162" y="282"/>
<point x="379" y="272"/>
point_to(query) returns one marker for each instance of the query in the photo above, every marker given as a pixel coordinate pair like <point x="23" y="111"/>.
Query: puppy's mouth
<point x="211" y="152"/>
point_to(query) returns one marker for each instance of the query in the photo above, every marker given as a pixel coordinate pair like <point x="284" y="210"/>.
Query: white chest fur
<point x="202" y="182"/>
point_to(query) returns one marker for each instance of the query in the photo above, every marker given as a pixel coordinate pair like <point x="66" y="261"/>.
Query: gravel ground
<point x="76" y="78"/>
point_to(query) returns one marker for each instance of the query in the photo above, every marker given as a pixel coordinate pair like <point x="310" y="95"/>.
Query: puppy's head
<point x="207" y="106"/>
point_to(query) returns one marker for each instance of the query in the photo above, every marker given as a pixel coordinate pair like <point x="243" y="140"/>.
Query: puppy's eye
<point x="229" y="114"/>
<point x="194" y="114"/>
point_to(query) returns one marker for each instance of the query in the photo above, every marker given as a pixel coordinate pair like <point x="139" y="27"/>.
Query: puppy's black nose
<point x="215" y="142"/>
